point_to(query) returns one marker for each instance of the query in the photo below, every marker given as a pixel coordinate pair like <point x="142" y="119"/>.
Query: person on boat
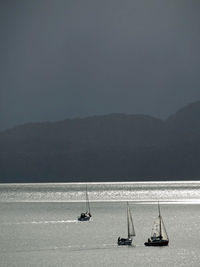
<point x="154" y="237"/>
<point x="119" y="238"/>
<point x="90" y="214"/>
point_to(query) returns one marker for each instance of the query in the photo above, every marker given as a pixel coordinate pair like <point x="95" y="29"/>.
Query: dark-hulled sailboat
<point x="159" y="235"/>
<point x="131" y="231"/>
<point x="85" y="216"/>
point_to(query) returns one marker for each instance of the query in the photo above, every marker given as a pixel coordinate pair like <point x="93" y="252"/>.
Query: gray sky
<point x="69" y="58"/>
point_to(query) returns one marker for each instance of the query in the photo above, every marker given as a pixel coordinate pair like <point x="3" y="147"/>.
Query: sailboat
<point x="159" y="235"/>
<point x="85" y="216"/>
<point x="131" y="231"/>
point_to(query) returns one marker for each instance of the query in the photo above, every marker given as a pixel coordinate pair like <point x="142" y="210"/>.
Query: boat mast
<point x="128" y="220"/>
<point x="87" y="201"/>
<point x="86" y="198"/>
<point x="159" y="219"/>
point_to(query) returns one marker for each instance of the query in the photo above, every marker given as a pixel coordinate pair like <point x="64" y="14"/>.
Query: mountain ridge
<point x="112" y="147"/>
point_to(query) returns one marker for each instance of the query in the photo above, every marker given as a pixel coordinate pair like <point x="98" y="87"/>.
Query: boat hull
<point x="84" y="217"/>
<point x="160" y="243"/>
<point x="124" y="242"/>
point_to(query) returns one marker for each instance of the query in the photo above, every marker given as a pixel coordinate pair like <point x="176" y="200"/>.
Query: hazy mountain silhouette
<point x="186" y="119"/>
<point x="113" y="147"/>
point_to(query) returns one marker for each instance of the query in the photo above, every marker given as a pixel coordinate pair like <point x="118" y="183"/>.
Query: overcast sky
<point x="68" y="58"/>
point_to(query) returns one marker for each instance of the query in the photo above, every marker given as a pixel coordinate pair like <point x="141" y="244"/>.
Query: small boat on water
<point x="85" y="216"/>
<point x="159" y="235"/>
<point x="131" y="231"/>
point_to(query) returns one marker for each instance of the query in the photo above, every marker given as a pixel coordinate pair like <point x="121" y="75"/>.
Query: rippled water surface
<point x="39" y="224"/>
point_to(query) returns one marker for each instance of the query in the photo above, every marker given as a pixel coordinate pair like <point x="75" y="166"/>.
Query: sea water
<point x="39" y="227"/>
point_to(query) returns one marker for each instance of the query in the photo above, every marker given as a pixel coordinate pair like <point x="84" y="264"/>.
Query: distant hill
<point x="114" y="147"/>
<point x="187" y="119"/>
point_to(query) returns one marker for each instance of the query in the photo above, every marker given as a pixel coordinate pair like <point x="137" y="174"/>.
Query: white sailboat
<point x="131" y="231"/>
<point x="85" y="216"/>
<point x="159" y="235"/>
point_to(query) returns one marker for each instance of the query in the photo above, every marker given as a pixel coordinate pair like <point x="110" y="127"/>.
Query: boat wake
<point x="70" y="248"/>
<point x="44" y="222"/>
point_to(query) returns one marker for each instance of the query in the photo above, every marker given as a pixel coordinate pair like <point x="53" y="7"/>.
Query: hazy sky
<point x="69" y="58"/>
